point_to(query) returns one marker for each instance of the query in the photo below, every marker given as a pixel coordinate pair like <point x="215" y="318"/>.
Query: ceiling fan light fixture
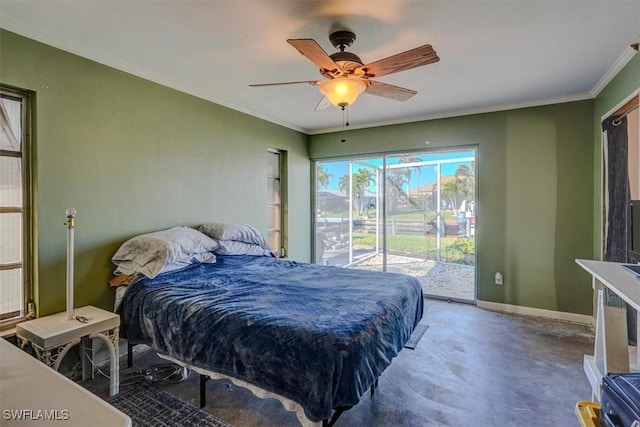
<point x="342" y="91"/>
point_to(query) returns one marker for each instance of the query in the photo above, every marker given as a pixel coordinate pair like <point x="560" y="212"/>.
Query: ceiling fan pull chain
<point x="345" y="111"/>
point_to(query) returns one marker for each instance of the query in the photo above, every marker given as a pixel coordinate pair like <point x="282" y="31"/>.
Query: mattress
<point x="318" y="335"/>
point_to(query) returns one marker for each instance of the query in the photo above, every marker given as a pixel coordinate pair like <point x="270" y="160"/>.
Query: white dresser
<point x="40" y="396"/>
<point x="611" y="350"/>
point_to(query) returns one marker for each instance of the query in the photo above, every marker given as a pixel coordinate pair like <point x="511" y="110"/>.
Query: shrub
<point x="464" y="244"/>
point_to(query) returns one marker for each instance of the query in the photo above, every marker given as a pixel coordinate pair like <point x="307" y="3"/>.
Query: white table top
<point x="624" y="283"/>
<point x="54" y="330"/>
<point x="27" y="384"/>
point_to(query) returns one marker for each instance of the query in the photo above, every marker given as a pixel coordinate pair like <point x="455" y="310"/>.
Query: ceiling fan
<point x="347" y="76"/>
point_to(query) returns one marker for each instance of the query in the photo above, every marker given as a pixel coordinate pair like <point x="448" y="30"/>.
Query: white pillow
<point x="163" y="251"/>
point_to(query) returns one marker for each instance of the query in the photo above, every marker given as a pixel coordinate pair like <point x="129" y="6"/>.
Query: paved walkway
<point x="440" y="279"/>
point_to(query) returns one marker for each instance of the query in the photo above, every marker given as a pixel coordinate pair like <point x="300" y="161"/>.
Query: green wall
<point x="535" y="194"/>
<point x="132" y="157"/>
<point x="626" y="82"/>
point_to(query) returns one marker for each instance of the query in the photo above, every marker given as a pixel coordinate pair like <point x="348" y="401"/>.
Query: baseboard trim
<point x="582" y="319"/>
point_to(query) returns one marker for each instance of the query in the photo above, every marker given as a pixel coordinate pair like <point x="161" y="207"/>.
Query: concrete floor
<point x="472" y="367"/>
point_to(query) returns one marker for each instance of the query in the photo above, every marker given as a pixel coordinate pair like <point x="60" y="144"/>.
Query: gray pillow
<point x="163" y="251"/>
<point x="233" y="247"/>
<point x="237" y="239"/>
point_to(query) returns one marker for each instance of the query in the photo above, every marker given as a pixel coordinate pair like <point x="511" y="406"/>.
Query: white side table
<point x="53" y="336"/>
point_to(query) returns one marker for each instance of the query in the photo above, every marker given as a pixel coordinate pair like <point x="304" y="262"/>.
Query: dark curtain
<point x="618" y="192"/>
<point x="617" y="179"/>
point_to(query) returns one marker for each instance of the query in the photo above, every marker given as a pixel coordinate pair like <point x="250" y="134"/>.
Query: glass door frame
<point x="381" y="201"/>
<point x="361" y="160"/>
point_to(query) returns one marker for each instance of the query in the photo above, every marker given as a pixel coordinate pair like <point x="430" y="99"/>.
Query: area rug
<point x="418" y="332"/>
<point x="148" y="406"/>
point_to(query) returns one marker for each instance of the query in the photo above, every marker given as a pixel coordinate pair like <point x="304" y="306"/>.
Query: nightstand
<point x="53" y="336"/>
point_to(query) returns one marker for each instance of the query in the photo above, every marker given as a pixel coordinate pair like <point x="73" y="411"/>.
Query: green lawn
<point x="413" y="245"/>
<point x="411" y="216"/>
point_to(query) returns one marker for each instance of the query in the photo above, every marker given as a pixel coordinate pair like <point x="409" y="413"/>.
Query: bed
<point x="315" y="337"/>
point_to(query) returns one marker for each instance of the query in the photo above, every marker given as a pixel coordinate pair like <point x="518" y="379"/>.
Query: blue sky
<point x="427" y="173"/>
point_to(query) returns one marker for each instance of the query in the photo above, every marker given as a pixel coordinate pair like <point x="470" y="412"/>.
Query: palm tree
<point x="360" y="183"/>
<point x="407" y="170"/>
<point x="322" y="180"/>
<point x="465" y="173"/>
<point x="394" y="192"/>
<point x="343" y="184"/>
<point x="322" y="177"/>
<point x="457" y="190"/>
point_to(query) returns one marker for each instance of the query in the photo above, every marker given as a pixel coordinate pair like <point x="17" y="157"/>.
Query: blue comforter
<point x="317" y="335"/>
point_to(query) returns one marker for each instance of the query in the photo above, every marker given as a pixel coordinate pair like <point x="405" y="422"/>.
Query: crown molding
<point x="459" y="113"/>
<point x="620" y="63"/>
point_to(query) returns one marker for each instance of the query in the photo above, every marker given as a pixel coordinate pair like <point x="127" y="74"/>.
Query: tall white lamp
<point x="71" y="215"/>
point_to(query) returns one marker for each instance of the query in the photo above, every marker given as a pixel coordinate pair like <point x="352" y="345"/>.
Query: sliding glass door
<point x="410" y="213"/>
<point x="348" y="219"/>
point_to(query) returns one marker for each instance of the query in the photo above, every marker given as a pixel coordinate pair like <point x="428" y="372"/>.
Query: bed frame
<point x="289" y="405"/>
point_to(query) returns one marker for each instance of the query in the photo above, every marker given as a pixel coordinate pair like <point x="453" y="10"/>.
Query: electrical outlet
<point x="498" y="278"/>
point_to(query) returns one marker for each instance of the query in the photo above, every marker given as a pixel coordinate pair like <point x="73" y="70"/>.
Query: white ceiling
<point x="494" y="54"/>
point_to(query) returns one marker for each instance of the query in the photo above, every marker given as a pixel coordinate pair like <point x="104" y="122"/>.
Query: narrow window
<point x="15" y="204"/>
<point x="276" y="196"/>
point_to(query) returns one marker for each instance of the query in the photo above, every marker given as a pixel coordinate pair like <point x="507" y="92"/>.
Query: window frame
<point x="281" y="251"/>
<point x="26" y="153"/>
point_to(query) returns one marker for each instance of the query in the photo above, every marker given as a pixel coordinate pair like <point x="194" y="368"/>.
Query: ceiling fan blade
<point x="311" y="82"/>
<point x="324" y="103"/>
<point x="413" y="58"/>
<point x="389" y="91"/>
<point x="314" y="53"/>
